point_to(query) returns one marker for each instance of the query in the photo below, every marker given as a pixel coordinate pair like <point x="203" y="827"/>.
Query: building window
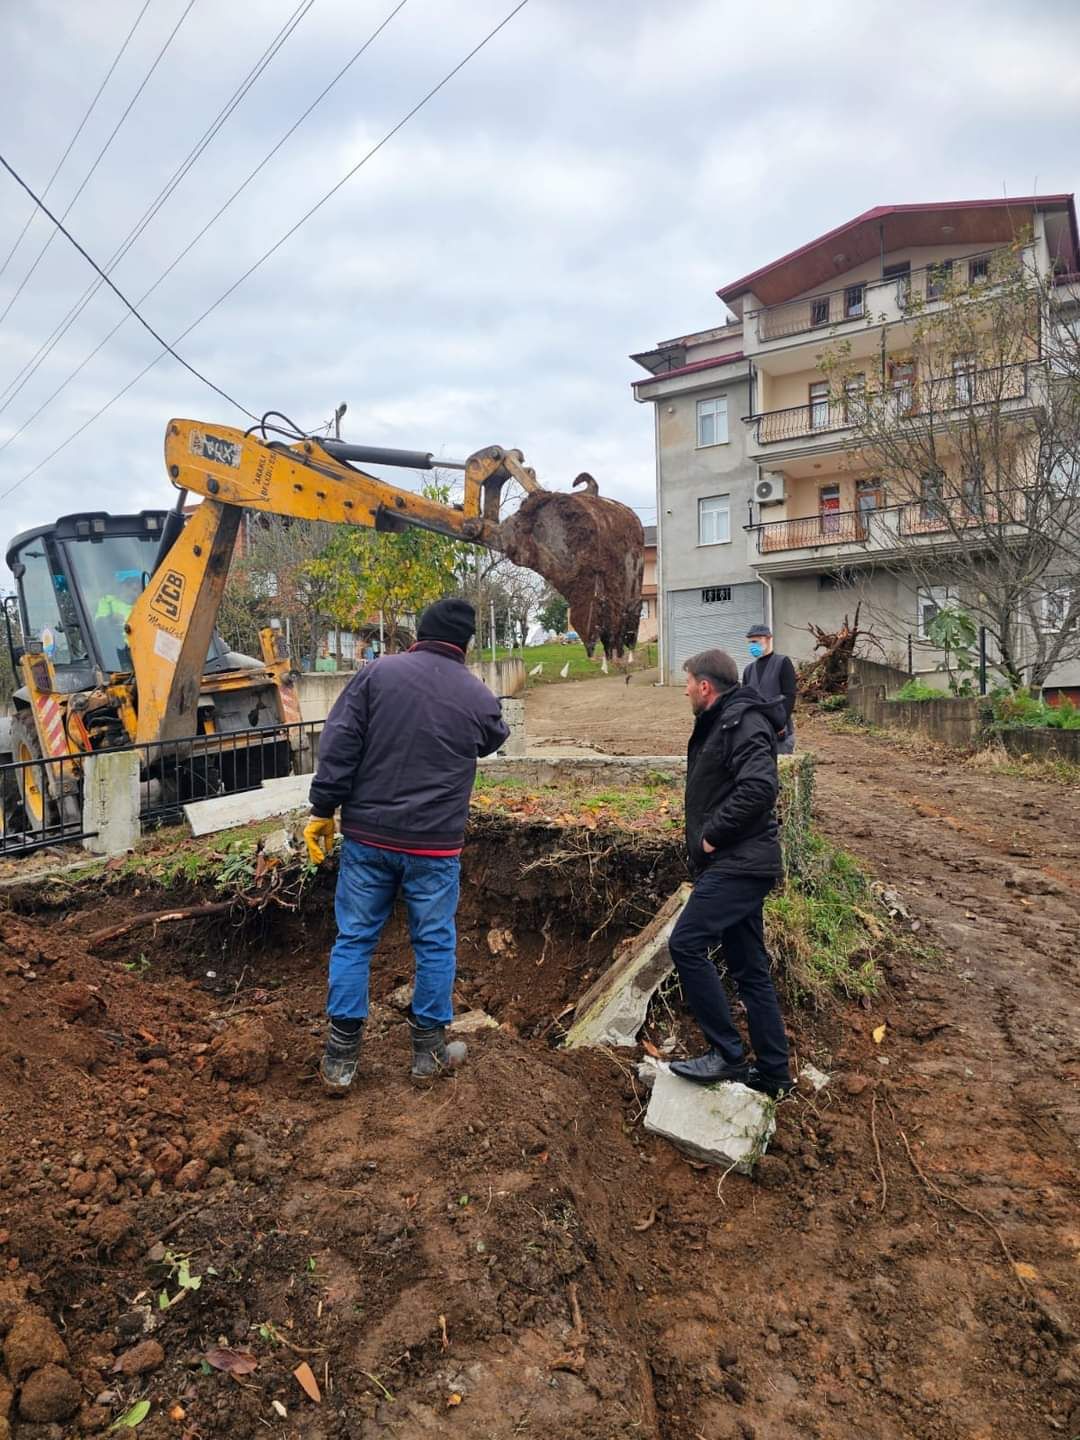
<point x="971" y="492"/>
<point x="932" y="498"/>
<point x="712" y="421"/>
<point x="931" y="602"/>
<point x="1056" y="606"/>
<point x="716" y="595"/>
<point x="963" y="369"/>
<point x="902" y="378"/>
<point x="937" y="278"/>
<point x="819" y="405"/>
<point x="901" y="273"/>
<point x="714" y="520"/>
<point x="978" y="269"/>
<point x="854" y="397"/>
<point x="819" y="311"/>
<point x="829" y="509"/>
<point x="854" y="306"/>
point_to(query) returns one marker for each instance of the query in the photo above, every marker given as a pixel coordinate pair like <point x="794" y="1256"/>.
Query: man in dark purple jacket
<point x="398" y="756"/>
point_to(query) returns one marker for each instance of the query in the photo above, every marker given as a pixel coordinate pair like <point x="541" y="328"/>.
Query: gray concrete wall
<point x="687" y="474"/>
<point x="319" y="689"/>
<point x="1044" y="744"/>
<point x="590" y="770"/>
<point x="952" y="722"/>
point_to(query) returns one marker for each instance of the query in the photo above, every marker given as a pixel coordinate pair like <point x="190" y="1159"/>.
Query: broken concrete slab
<point x="727" y="1125"/>
<point x="815" y="1077"/>
<point x="613" y="1010"/>
<point x="224" y="812"/>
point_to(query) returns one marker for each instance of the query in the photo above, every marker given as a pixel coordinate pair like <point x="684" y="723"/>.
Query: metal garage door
<point x="717" y="616"/>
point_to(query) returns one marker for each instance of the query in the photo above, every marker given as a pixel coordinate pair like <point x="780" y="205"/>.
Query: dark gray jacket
<point x="398" y="752"/>
<point x="732" y="784"/>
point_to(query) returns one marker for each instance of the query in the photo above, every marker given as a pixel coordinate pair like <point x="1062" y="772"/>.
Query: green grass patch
<point x="1020" y="710"/>
<point x="825" y="926"/>
<point x="919" y="690"/>
<point x="555" y="657"/>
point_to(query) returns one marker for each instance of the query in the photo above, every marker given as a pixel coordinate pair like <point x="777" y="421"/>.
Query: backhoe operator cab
<point x="76" y="582"/>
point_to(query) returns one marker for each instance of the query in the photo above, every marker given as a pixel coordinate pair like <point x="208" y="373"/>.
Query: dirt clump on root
<point x="592" y="551"/>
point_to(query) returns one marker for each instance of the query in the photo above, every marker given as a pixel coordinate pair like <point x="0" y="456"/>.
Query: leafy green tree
<point x="554" y="612"/>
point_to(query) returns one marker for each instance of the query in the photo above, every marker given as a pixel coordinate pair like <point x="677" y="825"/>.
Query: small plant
<point x="832" y="703"/>
<point x="139" y="966"/>
<point x="954" y="631"/>
<point x="918" y="690"/>
<point x="1019" y="709"/>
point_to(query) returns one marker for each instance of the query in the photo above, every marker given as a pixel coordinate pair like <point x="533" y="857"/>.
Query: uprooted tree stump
<point x="827" y="673"/>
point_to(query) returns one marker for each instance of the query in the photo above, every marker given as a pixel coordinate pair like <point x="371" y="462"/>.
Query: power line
<point x="78" y="131"/>
<point x="267" y="254"/>
<point x="119" y="293"/>
<point x="98" y="159"/>
<point x="23" y="376"/>
<point x="211" y="222"/>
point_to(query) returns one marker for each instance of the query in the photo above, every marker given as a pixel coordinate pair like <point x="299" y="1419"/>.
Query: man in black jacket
<point x="733" y="848"/>
<point x="773" y="677"/>
<point x="398" y="754"/>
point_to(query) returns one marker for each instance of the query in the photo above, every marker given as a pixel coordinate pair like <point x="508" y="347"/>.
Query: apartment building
<point x="768" y="503"/>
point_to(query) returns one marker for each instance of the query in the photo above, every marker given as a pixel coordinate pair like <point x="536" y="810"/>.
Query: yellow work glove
<point x="319" y="839"/>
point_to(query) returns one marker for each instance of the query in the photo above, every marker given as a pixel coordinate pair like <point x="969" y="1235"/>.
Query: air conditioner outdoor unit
<point x="769" y="489"/>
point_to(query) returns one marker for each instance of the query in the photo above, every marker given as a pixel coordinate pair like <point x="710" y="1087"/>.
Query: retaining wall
<point x="952" y="722"/>
<point x="320" y="688"/>
<point x="1044" y="744"/>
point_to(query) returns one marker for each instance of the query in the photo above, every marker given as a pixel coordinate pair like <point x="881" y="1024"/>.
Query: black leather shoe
<point x="710" y="1069"/>
<point x="775" y="1086"/>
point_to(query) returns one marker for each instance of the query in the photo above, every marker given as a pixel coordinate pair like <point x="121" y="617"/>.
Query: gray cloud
<point x="579" y="192"/>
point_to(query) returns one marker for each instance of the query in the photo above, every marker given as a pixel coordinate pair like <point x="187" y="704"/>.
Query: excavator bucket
<point x="592" y="551"/>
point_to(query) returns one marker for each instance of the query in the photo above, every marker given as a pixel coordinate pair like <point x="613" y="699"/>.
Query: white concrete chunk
<point x="224" y="812"/>
<point x="613" y="1010"/>
<point x="726" y="1125"/>
<point x="111" y="802"/>
<point x="813" y="1076"/>
<point x="470" y="1021"/>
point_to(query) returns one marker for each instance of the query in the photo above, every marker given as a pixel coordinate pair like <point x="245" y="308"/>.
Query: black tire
<point x="39" y="809"/>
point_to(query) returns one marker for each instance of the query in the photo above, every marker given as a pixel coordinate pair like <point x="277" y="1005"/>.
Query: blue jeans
<point x="368" y="883"/>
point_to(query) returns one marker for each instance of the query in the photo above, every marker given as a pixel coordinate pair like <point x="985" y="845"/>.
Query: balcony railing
<point x="903" y="401"/>
<point x="868" y="302"/>
<point x="883" y="527"/>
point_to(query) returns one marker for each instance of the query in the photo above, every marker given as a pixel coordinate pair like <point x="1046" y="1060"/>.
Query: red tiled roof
<point x="879" y="215"/>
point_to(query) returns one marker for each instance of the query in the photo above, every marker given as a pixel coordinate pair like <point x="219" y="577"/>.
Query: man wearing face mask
<point x="773" y="677"/>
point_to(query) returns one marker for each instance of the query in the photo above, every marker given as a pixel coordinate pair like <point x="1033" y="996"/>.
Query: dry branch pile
<point x="827" y="673"/>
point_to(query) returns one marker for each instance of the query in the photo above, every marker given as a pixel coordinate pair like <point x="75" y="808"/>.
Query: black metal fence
<point x="42" y="800"/>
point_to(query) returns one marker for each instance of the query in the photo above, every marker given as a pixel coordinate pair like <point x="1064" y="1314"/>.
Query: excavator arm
<point x="589" y="548"/>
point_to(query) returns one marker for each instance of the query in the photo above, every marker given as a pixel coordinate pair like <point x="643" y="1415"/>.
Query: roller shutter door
<point x="696" y="623"/>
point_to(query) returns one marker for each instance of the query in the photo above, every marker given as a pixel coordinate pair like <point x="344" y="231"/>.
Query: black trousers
<point x="726" y="909"/>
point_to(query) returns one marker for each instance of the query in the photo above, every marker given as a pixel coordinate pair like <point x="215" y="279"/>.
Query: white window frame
<point x="721" y="509"/>
<point x="939" y="597"/>
<point x="713" y="407"/>
<point x="1062" y="594"/>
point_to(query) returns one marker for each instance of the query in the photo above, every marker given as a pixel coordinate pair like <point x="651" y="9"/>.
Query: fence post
<point x="111" y="795"/>
<point x="982" y="659"/>
<point x="910" y="656"/>
<point x="513" y="711"/>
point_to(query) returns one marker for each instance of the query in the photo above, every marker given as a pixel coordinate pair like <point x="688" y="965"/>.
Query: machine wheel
<point x="39" y="810"/>
<point x="12" y="818"/>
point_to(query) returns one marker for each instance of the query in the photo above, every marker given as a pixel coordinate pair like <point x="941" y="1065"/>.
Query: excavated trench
<point x="473" y="1251"/>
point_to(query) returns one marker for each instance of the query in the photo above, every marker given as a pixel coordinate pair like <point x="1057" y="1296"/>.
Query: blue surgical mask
<point x="757" y="649"/>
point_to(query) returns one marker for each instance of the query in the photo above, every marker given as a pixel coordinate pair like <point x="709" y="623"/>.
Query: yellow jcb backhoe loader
<point x="118" y="613"/>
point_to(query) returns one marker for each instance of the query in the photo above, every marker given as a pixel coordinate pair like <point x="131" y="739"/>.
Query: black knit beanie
<point x="452" y="621"/>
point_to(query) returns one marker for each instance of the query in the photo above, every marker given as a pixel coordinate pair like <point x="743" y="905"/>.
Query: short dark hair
<point x="714" y="665"/>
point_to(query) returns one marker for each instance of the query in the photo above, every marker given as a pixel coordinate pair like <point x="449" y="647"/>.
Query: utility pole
<point x="493" y="629"/>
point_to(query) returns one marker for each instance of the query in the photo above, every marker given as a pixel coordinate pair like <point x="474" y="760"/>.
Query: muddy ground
<point x="508" y="1253"/>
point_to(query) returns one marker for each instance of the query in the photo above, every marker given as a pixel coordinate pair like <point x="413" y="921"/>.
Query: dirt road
<point x="979" y="1071"/>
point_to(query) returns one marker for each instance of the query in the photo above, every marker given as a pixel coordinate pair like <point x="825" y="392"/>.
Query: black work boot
<point x="711" y="1068"/>
<point x="775" y="1086"/>
<point x="342" y="1055"/>
<point x="431" y="1055"/>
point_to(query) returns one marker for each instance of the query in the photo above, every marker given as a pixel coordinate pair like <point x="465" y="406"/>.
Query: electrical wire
<point x="98" y="159"/>
<point x="78" y="131"/>
<point x="264" y="257"/>
<point x="23" y="376"/>
<point x="209" y="224"/>
<point x="119" y="293"/>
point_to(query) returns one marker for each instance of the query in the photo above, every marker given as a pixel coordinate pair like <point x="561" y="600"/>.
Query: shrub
<point x="1019" y="709"/>
<point x="834" y="702"/>
<point x="919" y="690"/>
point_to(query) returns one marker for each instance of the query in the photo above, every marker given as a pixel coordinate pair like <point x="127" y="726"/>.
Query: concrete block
<point x="514" y="714"/>
<point x="814" y="1077"/>
<point x="612" y="1011"/>
<point x="726" y="1125"/>
<point x="225" y="812"/>
<point x="111" y="796"/>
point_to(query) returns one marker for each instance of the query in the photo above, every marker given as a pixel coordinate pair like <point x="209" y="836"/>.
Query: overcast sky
<point x="578" y="192"/>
